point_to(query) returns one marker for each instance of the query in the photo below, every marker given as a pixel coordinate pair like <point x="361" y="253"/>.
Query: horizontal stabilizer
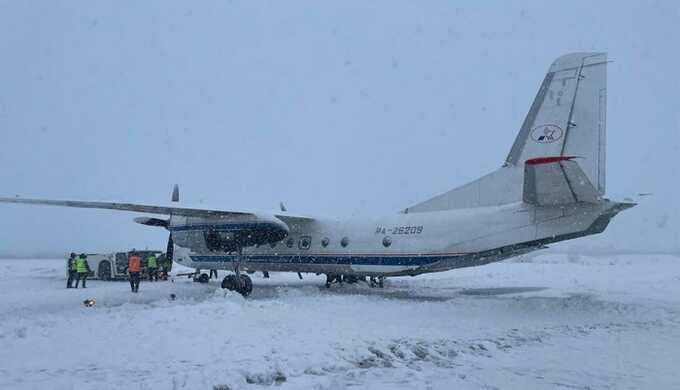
<point x="552" y="181"/>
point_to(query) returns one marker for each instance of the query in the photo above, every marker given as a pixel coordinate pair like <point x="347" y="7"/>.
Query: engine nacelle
<point x="226" y="235"/>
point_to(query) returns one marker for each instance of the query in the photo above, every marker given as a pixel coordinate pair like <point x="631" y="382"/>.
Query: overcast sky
<point x="336" y="108"/>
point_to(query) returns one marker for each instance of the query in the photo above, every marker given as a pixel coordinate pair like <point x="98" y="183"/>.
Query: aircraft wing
<point x="142" y="208"/>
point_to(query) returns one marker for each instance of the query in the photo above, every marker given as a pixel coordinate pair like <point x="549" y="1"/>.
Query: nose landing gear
<point x="202" y="278"/>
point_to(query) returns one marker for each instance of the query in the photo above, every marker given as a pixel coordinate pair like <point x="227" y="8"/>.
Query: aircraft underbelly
<point x="365" y="265"/>
<point x="309" y="267"/>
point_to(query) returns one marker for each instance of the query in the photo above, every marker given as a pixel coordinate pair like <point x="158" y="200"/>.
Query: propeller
<point x="170" y="250"/>
<point x="148" y="221"/>
<point x="175" y="193"/>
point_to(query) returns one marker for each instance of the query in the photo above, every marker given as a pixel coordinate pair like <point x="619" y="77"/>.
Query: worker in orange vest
<point x="134" y="270"/>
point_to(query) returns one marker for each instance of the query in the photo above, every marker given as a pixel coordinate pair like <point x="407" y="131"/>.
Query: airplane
<point x="550" y="188"/>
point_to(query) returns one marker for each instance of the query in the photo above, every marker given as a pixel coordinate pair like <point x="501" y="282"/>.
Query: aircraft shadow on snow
<point x="399" y="293"/>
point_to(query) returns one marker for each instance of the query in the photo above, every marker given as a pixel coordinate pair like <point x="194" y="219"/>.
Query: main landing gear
<point x="373" y="281"/>
<point x="377" y="282"/>
<point x="241" y="283"/>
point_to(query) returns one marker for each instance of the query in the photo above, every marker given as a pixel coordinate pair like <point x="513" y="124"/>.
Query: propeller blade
<point x="170" y="251"/>
<point x="175" y="193"/>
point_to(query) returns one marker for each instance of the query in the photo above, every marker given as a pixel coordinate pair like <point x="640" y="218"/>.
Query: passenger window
<point x="387" y="241"/>
<point x="290" y="242"/>
<point x="305" y="242"/>
<point x="325" y="242"/>
<point x="344" y="242"/>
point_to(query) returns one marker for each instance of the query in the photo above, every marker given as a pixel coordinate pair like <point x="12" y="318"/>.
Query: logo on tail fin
<point x="546" y="134"/>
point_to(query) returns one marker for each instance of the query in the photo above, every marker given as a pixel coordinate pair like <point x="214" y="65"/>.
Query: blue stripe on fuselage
<point x="346" y="260"/>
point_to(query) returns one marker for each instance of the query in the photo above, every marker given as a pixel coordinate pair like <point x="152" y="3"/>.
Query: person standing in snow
<point x="152" y="267"/>
<point x="82" y="268"/>
<point x="72" y="272"/>
<point x="166" y="265"/>
<point x="134" y="269"/>
<point x="213" y="271"/>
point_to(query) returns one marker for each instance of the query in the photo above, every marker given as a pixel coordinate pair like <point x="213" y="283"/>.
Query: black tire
<point x="350" y="279"/>
<point x="104" y="270"/>
<point x="203" y="278"/>
<point x="246" y="285"/>
<point x="229" y="282"/>
<point x="244" y="288"/>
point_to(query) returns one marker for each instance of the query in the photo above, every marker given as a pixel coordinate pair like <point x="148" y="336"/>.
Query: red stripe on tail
<point x="548" y="160"/>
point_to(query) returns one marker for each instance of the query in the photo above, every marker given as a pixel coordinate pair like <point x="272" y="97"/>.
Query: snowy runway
<point x="551" y="321"/>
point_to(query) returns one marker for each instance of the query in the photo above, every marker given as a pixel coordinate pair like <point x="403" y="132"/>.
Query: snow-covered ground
<point x="549" y="321"/>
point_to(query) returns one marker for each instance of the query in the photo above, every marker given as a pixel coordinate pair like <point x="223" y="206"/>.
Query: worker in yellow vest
<point x="72" y="271"/>
<point x="152" y="267"/>
<point x="83" y="269"/>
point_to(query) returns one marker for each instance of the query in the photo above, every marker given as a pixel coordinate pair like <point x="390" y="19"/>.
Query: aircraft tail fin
<point x="567" y="119"/>
<point x="568" y="116"/>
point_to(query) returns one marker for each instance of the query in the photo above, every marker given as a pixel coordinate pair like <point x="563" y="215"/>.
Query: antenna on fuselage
<point x="282" y="206"/>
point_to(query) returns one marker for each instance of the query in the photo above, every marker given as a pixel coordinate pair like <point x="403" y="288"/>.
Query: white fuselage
<point x="400" y="244"/>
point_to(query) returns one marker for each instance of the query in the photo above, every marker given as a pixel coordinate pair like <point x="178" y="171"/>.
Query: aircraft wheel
<point x="246" y="286"/>
<point x="203" y="278"/>
<point x="350" y="279"/>
<point x="229" y="282"/>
